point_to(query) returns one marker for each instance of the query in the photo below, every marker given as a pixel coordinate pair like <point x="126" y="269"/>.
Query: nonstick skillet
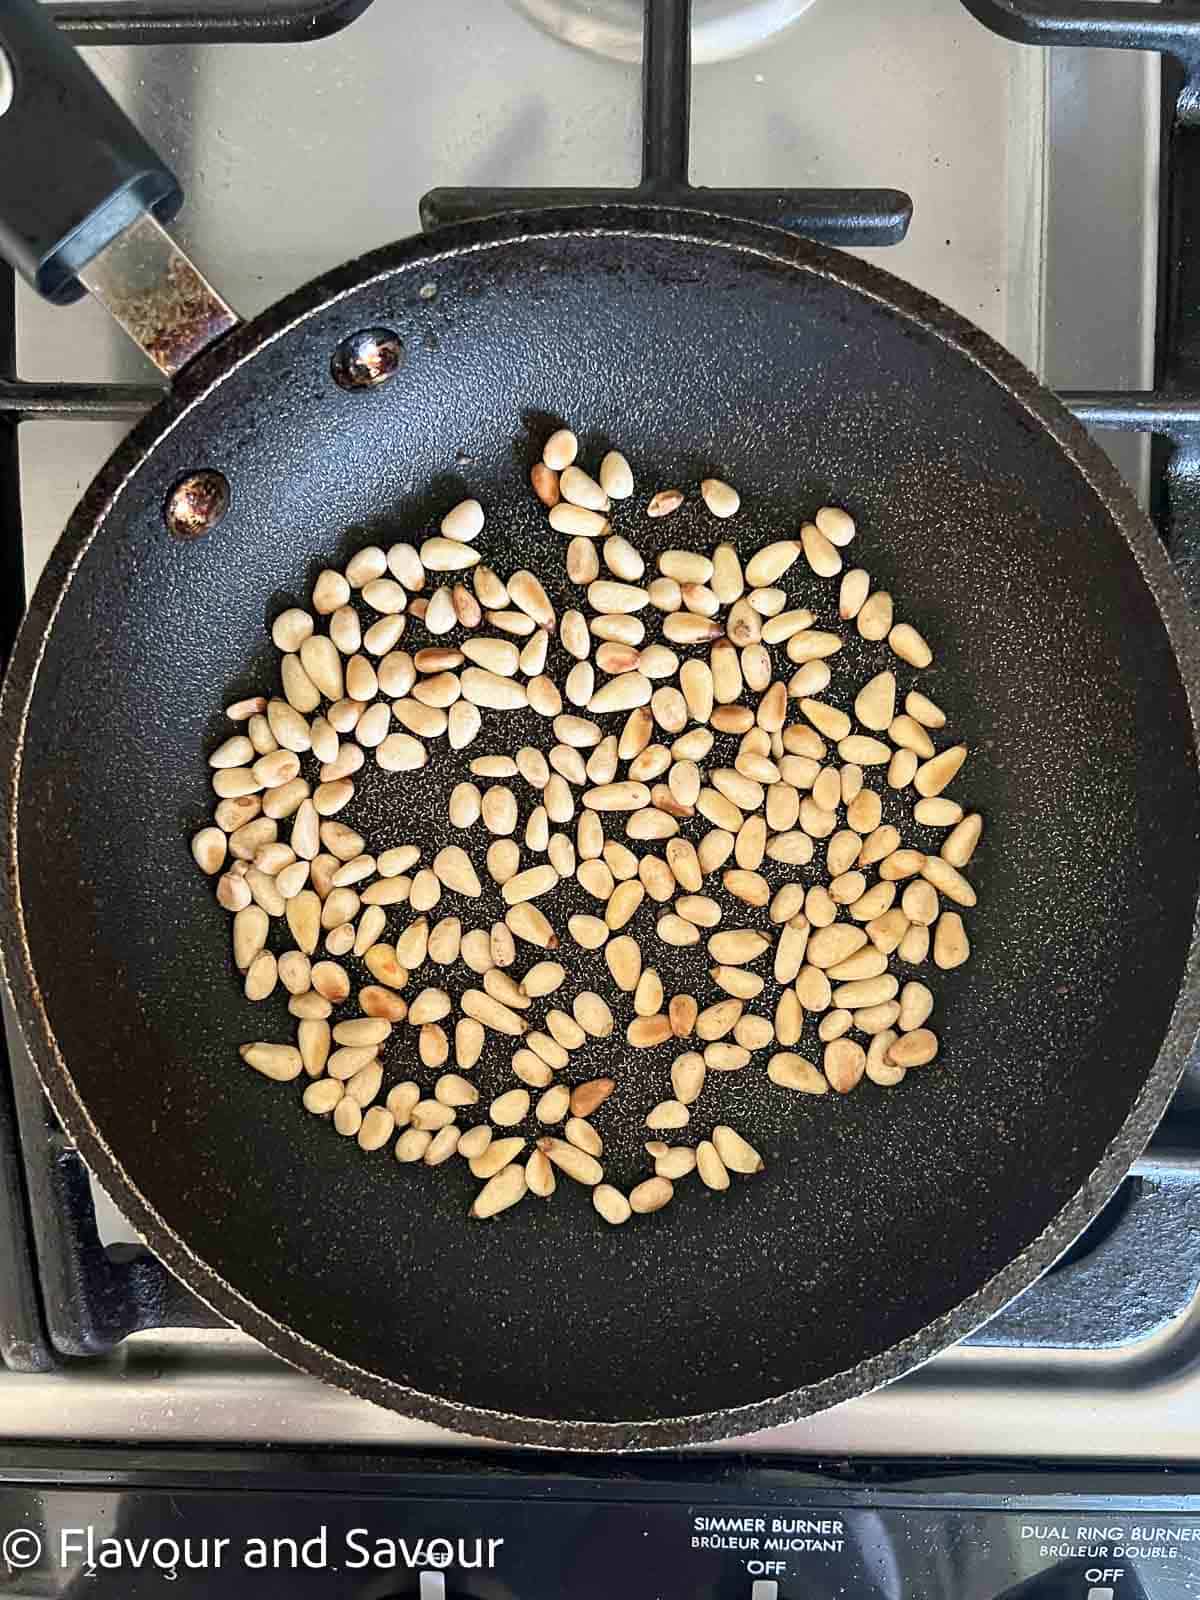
<point x="888" y="1224"/>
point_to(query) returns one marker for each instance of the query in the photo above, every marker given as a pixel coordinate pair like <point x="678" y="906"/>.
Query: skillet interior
<point x="880" y="1213"/>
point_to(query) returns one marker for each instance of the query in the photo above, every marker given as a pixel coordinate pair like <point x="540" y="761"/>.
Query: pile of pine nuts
<point x="636" y="768"/>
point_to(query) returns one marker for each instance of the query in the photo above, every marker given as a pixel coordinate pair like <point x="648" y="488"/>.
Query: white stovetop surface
<point x="1022" y="165"/>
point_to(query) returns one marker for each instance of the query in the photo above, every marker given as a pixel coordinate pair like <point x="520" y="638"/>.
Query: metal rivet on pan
<point x="196" y="504"/>
<point x="367" y="358"/>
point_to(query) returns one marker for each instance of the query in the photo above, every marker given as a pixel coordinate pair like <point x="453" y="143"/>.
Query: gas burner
<point x="613" y="28"/>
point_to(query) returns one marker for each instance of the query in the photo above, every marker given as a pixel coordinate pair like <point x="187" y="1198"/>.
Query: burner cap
<point x="613" y="28"/>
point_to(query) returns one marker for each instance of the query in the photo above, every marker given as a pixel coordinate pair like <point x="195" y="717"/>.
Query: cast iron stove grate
<point x="65" y="1295"/>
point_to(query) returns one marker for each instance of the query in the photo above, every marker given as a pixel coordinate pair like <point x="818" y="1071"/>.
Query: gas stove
<point x="1043" y="184"/>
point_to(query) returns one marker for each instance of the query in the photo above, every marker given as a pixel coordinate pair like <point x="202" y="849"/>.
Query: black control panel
<point x="496" y="1527"/>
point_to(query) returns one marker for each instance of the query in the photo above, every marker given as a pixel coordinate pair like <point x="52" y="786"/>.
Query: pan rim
<point x="199" y="382"/>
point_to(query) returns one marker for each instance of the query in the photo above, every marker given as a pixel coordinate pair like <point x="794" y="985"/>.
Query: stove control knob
<point x="764" y="1589"/>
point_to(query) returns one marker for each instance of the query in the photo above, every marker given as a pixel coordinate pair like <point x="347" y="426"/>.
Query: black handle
<point x="74" y="171"/>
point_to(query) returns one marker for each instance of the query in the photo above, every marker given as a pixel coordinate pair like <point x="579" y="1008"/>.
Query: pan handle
<point x="83" y="197"/>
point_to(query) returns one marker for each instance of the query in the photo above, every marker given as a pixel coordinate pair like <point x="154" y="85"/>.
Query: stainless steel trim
<point x="223" y="1388"/>
<point x="162" y="300"/>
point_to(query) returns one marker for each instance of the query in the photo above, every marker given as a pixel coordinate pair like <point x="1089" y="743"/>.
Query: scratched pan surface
<point x="888" y="1223"/>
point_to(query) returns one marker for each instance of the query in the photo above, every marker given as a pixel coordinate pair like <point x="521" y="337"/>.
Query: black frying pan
<point x="888" y="1223"/>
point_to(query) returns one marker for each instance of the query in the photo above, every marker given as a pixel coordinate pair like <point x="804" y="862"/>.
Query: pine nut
<point x="492" y="1014"/>
<point x="208" y="849"/>
<point x="322" y="1096"/>
<point x="578" y="522"/>
<point x="593" y="1015"/>
<point x="864" y="811"/>
<point x="837" y="525"/>
<point x="290" y="629"/>
<point x="668" y="1114"/>
<point x="875" y="703"/>
<point x="576" y="1163"/>
<point x="652" y="1195"/>
<point x="736" y="1153"/>
<point x="905" y="642"/>
<point x="675" y="1162"/>
<point x="643" y="1033"/>
<point x="784" y="624"/>
<point x="347" y="1117"/>
<point x="581" y="489"/>
<point x="792" y="849"/>
<point x="791" y="949"/>
<point x="844" y="1063"/>
<point x="813" y="989"/>
<point x="865" y="963"/>
<point x="506" y="1189"/>
<point x="712" y="1170"/>
<point x="611" y="1204"/>
<point x="771" y="562"/>
<point x="834" y="1024"/>
<point x="584" y="1137"/>
<point x="687" y="1077"/>
<point x="616" y="476"/>
<point x="947" y="880"/>
<point x="962" y="840"/>
<point x="737" y="946"/>
<point x="919" y="903"/>
<point x="491" y="690"/>
<point x="310" y="1005"/>
<point x="811" y="678"/>
<point x="528" y="923"/>
<point x="924" y="711"/>
<point x="539" y="1175"/>
<point x="234" y="814"/>
<point x="950" y="944"/>
<point x="235" y="752"/>
<point x="937" y="812"/>
<point x="496" y="1156"/>
<point x="837" y="942"/>
<point x="560" y="449"/>
<point x="874" y="619"/>
<point x="396" y="675"/>
<point x="527" y="593"/>
<point x="464" y="522"/>
<point x="913" y="1049"/>
<point x="720" y="498"/>
<point x="588" y="931"/>
<point x="624" y="959"/>
<point x="820" y="554"/>
<point x="887" y="930"/>
<point x="278" y="1061"/>
<point x="664" y="594"/>
<point x="812" y="645"/>
<point x="902" y="769"/>
<point x="792" y="1071"/>
<point x="497" y="656"/>
<point x="855" y="586"/>
<point x="653" y="661"/>
<point x="440" y="555"/>
<point x="908" y="734"/>
<point x="587" y="1098"/>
